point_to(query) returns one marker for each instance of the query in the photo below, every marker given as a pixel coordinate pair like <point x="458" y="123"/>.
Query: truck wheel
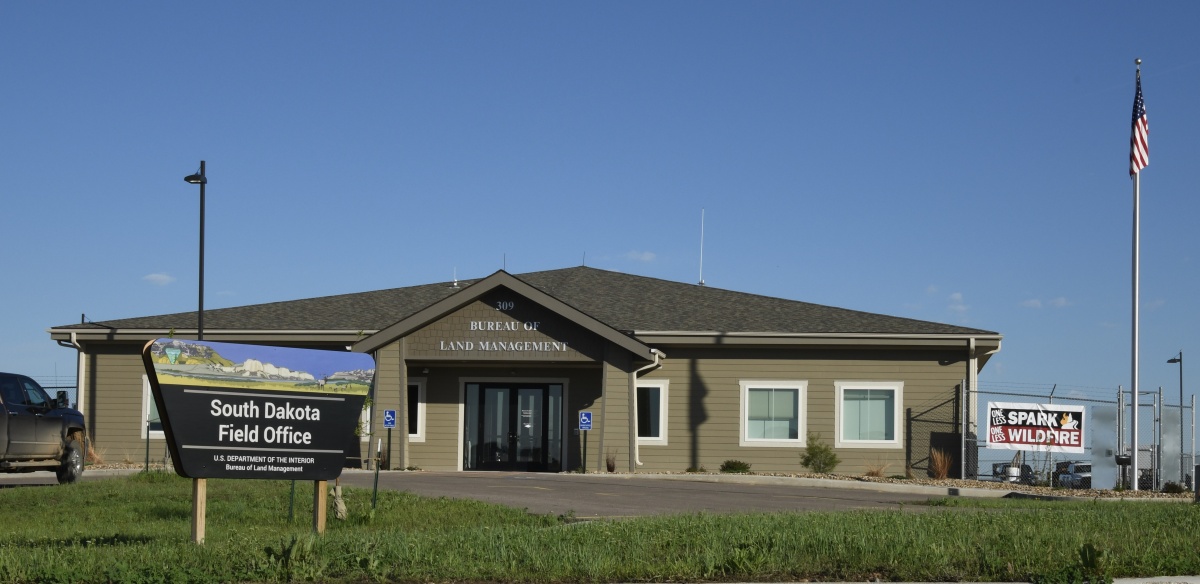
<point x="72" y="462"/>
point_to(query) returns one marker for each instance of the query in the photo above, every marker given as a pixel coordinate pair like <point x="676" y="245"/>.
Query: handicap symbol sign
<point x="585" y="420"/>
<point x="389" y="418"/>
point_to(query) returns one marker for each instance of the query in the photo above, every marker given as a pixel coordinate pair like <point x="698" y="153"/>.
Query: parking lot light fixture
<point x="200" y="179"/>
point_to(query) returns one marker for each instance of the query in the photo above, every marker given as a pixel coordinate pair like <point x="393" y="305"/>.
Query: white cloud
<point x="640" y="256"/>
<point x="1060" y="302"/>
<point x="159" y="279"/>
<point x="957" y="304"/>
<point x="931" y="289"/>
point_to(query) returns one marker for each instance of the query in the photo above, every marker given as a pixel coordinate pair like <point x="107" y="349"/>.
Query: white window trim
<point x="419" y="434"/>
<point x="661" y="385"/>
<point x="801" y="413"/>
<point x="897" y="424"/>
<point x="147" y="399"/>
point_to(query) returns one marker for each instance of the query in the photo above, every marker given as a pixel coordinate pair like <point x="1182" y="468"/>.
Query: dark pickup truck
<point x="37" y="432"/>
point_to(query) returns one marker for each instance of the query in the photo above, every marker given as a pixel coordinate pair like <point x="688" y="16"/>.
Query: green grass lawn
<point x="137" y="529"/>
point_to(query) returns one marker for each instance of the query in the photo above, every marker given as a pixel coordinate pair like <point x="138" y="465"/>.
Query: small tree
<point x="819" y="456"/>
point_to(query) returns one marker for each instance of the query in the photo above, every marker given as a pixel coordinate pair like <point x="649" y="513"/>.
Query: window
<point x="35" y="395"/>
<point x="416" y="410"/>
<point x="652" y="412"/>
<point x="771" y="413"/>
<point x="150" y="419"/>
<point x="867" y="414"/>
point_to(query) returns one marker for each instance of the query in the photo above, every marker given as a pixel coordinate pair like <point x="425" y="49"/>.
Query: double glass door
<point x="513" y="426"/>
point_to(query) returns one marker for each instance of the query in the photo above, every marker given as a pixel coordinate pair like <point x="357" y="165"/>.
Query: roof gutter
<point x="634" y="451"/>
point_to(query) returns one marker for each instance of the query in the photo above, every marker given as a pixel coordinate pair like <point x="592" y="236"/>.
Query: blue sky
<point x="956" y="162"/>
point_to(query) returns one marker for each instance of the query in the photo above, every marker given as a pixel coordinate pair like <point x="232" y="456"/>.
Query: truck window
<point x="10" y="392"/>
<point x="35" y="395"/>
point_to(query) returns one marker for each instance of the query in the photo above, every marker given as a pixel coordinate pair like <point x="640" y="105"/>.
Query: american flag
<point x="1139" y="139"/>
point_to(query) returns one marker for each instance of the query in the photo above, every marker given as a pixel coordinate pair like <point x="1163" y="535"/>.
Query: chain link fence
<point x="1166" y="437"/>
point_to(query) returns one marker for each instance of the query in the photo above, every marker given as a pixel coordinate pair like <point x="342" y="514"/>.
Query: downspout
<point x="635" y="453"/>
<point x="80" y="364"/>
<point x="80" y="384"/>
<point x="970" y="416"/>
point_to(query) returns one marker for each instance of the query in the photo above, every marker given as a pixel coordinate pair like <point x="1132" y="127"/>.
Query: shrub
<point x="878" y="469"/>
<point x="610" y="461"/>
<point x="1173" y="487"/>
<point x="939" y="464"/>
<point x="819" y="456"/>
<point x="735" y="466"/>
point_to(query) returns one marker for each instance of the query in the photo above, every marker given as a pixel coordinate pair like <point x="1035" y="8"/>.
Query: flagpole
<point x="1137" y="398"/>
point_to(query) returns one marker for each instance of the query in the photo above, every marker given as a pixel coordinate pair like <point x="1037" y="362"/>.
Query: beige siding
<point x="613" y="419"/>
<point x="114" y="392"/>
<point x="704" y="404"/>
<point x="703" y="423"/>
<point x="385" y="395"/>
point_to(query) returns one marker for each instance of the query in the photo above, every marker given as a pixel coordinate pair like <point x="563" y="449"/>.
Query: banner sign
<point x="259" y="412"/>
<point x="1040" y="427"/>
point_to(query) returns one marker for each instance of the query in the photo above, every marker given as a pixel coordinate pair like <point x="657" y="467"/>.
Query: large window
<point x="652" y="411"/>
<point x="772" y="413"/>
<point x="867" y="414"/>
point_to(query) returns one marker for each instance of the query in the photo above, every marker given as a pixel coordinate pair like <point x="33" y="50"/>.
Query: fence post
<point x="908" y="442"/>
<point x="962" y="466"/>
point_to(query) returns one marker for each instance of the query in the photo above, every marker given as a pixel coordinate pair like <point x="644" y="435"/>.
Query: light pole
<point x="200" y="179"/>
<point x="1179" y="360"/>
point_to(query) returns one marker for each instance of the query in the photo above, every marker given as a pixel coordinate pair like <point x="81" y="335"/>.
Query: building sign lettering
<point x="515" y="346"/>
<point x="503" y="326"/>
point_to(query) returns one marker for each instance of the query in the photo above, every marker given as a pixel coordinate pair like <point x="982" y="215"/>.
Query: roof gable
<point x="476" y="291"/>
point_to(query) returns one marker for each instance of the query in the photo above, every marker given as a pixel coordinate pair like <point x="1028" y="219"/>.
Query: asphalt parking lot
<point x="610" y="495"/>
<point x="613" y="496"/>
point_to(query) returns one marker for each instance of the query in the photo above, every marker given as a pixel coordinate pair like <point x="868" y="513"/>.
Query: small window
<point x="151" y="422"/>
<point x="867" y="414"/>
<point x="652" y="412"/>
<point x="772" y="413"/>
<point x="416" y="410"/>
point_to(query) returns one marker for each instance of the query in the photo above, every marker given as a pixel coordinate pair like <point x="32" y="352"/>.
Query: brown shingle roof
<point x="622" y="301"/>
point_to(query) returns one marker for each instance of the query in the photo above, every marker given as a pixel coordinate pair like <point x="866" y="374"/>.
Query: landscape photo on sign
<point x="232" y="410"/>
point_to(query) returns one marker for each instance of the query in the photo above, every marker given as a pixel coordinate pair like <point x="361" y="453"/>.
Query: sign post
<point x="585" y="425"/>
<point x="389" y="422"/>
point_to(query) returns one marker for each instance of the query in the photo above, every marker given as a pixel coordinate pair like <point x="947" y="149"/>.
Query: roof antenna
<point x="701" y="246"/>
<point x="585" y="259"/>
<point x="455" y="284"/>
<point x="504" y="262"/>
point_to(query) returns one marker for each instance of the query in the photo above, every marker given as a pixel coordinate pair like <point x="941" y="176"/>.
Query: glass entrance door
<point x="513" y="426"/>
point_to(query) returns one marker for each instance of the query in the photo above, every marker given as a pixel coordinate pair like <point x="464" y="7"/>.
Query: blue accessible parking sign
<point x="585" y="420"/>
<point x="389" y="418"/>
